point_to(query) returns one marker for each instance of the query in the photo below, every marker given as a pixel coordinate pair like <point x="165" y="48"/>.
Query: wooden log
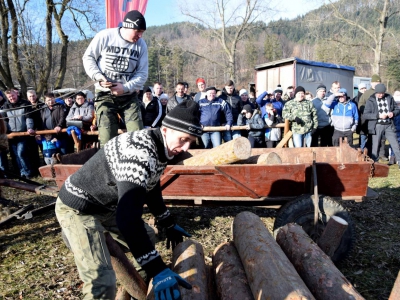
<point x="332" y="235"/>
<point x="316" y="269"/>
<point x="285" y="139"/>
<point x="188" y="262"/>
<point x="226" y="153"/>
<point x="271" y="158"/>
<point x="122" y="294"/>
<point x="230" y="276"/>
<point x="269" y="272"/>
<point x="395" y="294"/>
<point x="125" y="271"/>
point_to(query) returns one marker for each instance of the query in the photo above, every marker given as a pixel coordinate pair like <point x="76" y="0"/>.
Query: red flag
<point x="117" y="9"/>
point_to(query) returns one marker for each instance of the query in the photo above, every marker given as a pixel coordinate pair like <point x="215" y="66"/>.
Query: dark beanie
<point x="321" y="87"/>
<point x="211" y="88"/>
<point x="134" y="20"/>
<point x="248" y="108"/>
<point x="148" y="90"/>
<point x="299" y="89"/>
<point x="380" y="88"/>
<point x="185" y="117"/>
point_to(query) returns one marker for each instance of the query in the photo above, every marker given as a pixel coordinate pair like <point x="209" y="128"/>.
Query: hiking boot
<point x="392" y="160"/>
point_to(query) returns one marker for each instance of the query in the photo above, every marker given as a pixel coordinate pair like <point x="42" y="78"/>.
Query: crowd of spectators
<point x="322" y="120"/>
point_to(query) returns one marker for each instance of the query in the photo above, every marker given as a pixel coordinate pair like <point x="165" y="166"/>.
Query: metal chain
<point x="372" y="166"/>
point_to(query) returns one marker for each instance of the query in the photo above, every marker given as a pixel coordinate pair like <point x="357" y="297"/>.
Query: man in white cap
<point x="117" y="58"/>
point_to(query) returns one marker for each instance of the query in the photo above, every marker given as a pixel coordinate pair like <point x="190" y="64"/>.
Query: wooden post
<point x="226" y="153"/>
<point x="125" y="271"/>
<point x="269" y="272"/>
<point x="283" y="143"/>
<point x="188" y="262"/>
<point x="316" y="269"/>
<point x="77" y="141"/>
<point x="332" y="235"/>
<point x="395" y="294"/>
<point x="230" y="276"/>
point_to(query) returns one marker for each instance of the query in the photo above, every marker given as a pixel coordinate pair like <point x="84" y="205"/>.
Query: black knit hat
<point x="321" y="87"/>
<point x="211" y="88"/>
<point x="380" y="88"/>
<point x="135" y="20"/>
<point x="247" y="108"/>
<point x="299" y="89"/>
<point x="147" y="90"/>
<point x="185" y="117"/>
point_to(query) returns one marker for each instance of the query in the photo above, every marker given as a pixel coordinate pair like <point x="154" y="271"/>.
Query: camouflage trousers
<point x="109" y="109"/>
<point x="85" y="235"/>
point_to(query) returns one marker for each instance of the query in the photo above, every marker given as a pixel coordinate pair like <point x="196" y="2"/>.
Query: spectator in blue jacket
<point x="276" y="102"/>
<point x="50" y="146"/>
<point x="344" y="116"/>
<point x="211" y="109"/>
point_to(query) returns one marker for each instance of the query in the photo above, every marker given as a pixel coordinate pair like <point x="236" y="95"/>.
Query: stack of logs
<point x="256" y="266"/>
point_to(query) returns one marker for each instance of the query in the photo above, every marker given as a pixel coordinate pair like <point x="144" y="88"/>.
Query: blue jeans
<point x="298" y="139"/>
<point x="236" y="134"/>
<point x="3" y="161"/>
<point x="19" y="147"/>
<point x="213" y="137"/>
<point x="363" y="141"/>
<point x="226" y="136"/>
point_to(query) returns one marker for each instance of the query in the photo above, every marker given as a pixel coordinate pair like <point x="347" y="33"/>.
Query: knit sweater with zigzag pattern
<point x="122" y="177"/>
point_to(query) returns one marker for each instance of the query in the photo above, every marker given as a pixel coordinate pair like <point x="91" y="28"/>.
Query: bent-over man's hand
<point x="117" y="89"/>
<point x="166" y="285"/>
<point x="57" y="129"/>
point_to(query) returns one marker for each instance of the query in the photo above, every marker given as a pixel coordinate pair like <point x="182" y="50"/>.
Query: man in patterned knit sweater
<point x="108" y="194"/>
<point x="117" y="58"/>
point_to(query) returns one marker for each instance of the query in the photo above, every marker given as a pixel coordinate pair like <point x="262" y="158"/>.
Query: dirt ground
<point x="35" y="264"/>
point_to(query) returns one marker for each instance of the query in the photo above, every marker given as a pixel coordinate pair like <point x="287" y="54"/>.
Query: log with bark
<point x="188" y="262"/>
<point x="125" y="272"/>
<point x="230" y="276"/>
<point x="269" y="272"/>
<point x="332" y="235"/>
<point x="230" y="152"/>
<point x="316" y="269"/>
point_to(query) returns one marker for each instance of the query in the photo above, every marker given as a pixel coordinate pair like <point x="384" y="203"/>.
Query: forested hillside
<point x="319" y="35"/>
<point x="360" y="33"/>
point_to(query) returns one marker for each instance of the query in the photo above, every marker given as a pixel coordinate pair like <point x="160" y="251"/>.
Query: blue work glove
<point x="175" y="235"/>
<point x="166" y="285"/>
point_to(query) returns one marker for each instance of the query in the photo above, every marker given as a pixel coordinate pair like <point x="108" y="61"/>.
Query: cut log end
<point x="271" y="158"/>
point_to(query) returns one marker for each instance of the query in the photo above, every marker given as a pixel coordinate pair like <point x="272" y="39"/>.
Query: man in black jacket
<point x="53" y="117"/>
<point x="108" y="193"/>
<point x="380" y="110"/>
<point x="231" y="97"/>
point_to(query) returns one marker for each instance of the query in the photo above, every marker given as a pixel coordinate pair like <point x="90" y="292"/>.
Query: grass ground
<point x="35" y="264"/>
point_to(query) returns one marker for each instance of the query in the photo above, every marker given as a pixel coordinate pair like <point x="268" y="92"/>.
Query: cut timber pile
<point x="227" y="153"/>
<point x="316" y="268"/>
<point x="269" y="271"/>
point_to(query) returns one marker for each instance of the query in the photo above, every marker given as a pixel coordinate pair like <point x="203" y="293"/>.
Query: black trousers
<point x="325" y="133"/>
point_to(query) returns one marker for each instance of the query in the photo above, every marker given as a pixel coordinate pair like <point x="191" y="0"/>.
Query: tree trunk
<point x="125" y="271"/>
<point x="230" y="276"/>
<point x="14" y="46"/>
<point x="226" y="153"/>
<point x="188" y="262"/>
<point x="64" y="42"/>
<point x="5" y="71"/>
<point x="269" y="272"/>
<point x="316" y="269"/>
<point x="332" y="235"/>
